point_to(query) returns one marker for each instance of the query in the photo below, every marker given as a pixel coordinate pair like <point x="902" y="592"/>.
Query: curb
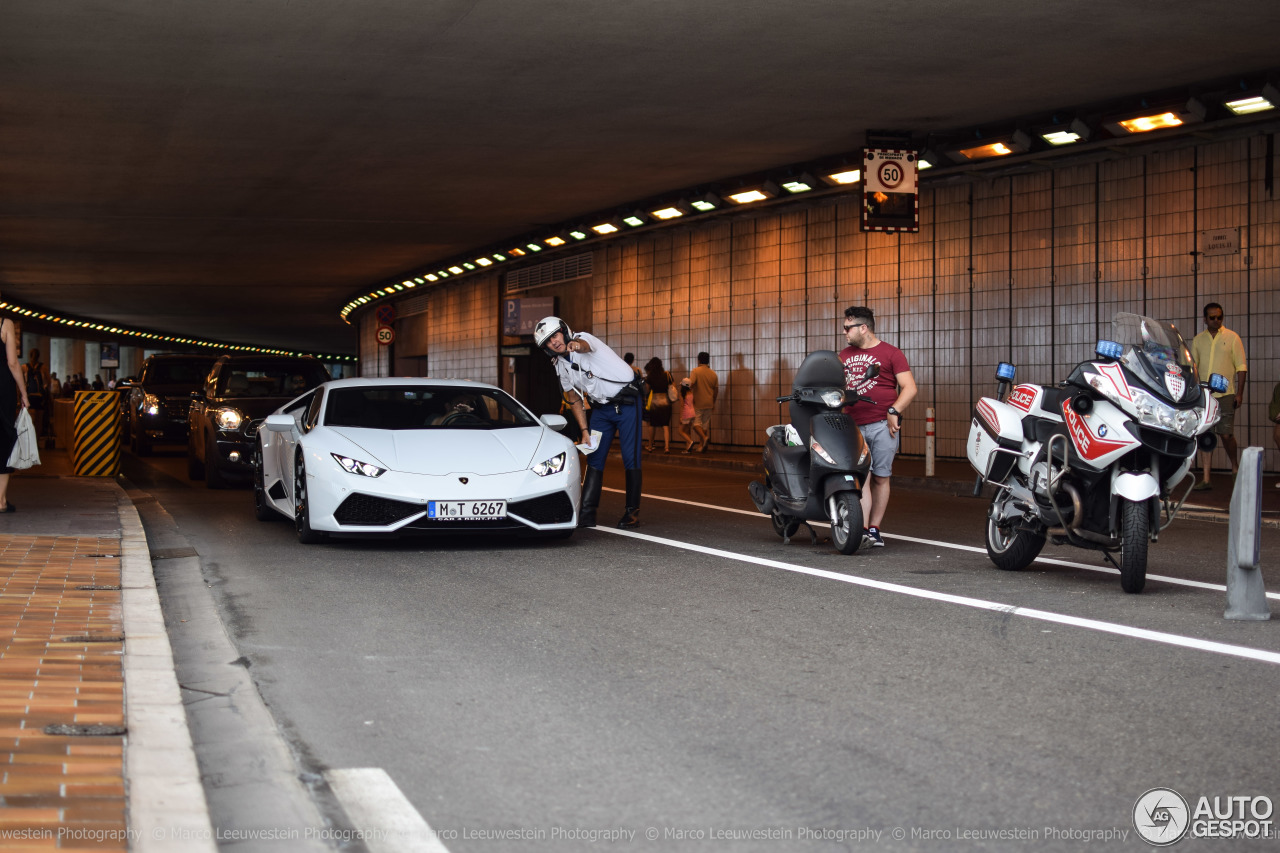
<point x="166" y="806"/>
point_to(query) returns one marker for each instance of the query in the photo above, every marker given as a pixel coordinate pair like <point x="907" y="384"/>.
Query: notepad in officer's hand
<point x="590" y="442"/>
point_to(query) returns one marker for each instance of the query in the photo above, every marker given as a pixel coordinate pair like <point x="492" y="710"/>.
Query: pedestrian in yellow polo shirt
<point x="1219" y="350"/>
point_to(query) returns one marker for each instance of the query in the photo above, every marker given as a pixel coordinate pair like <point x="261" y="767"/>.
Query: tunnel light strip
<point x="89" y="325"/>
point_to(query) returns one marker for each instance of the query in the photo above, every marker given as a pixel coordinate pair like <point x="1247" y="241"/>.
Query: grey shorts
<point x="883" y="447"/>
<point x="703" y="417"/>
<point x="1226" y="424"/>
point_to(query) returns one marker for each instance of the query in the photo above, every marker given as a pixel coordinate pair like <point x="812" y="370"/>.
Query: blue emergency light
<point x="1217" y="383"/>
<point x="1005" y="371"/>
<point x="1109" y="349"/>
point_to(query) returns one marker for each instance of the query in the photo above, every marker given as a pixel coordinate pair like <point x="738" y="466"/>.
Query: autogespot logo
<point x="1161" y="817"/>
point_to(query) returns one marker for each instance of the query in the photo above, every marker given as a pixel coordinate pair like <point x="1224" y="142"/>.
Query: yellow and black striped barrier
<point x="95" y="447"/>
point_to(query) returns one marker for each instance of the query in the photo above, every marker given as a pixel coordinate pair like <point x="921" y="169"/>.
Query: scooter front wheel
<point x="845" y="510"/>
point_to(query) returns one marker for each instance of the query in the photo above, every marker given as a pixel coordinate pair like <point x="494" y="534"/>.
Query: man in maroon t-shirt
<point x="880" y="420"/>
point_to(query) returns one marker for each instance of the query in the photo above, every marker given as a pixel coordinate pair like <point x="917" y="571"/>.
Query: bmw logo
<point x="1102" y="430"/>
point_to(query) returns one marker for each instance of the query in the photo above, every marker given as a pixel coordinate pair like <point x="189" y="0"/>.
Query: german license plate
<point x="467" y="510"/>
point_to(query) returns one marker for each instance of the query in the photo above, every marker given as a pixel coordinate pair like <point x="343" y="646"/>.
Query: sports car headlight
<point x="833" y="399"/>
<point x="228" y="419"/>
<point x="355" y="466"/>
<point x="554" y="465"/>
<point x="151" y="404"/>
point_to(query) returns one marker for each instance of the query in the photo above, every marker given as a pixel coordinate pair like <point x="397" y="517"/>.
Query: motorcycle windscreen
<point x="1158" y="355"/>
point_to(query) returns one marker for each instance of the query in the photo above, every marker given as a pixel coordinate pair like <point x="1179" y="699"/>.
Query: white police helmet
<point x="547" y="327"/>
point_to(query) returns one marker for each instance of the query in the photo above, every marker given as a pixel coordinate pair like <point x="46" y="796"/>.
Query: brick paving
<point x="61" y="653"/>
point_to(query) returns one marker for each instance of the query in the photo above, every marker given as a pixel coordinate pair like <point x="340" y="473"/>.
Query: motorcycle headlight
<point x="554" y="465"/>
<point x="151" y="404"/>
<point x="355" y="466"/>
<point x="1156" y="413"/>
<point x="228" y="419"/>
<point x="834" y="399"/>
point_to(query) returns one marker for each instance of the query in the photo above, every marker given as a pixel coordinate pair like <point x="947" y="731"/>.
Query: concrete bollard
<point x="1246" y="594"/>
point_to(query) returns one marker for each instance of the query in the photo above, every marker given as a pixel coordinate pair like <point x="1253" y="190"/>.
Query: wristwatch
<point x="893" y="411"/>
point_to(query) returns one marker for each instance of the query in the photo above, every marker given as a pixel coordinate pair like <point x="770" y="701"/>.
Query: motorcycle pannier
<point x="995" y="439"/>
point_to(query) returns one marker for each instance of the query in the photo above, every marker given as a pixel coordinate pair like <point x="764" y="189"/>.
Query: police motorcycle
<point x="1094" y="461"/>
<point x="815" y="467"/>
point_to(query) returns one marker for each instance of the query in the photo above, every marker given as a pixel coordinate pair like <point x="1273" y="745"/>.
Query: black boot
<point x="631" y="517"/>
<point x="590" y="497"/>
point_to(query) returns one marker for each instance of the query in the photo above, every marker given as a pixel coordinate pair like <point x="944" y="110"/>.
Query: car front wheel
<point x="301" y="507"/>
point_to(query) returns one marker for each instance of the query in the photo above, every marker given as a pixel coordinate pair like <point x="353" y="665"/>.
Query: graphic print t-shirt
<point x="883" y="389"/>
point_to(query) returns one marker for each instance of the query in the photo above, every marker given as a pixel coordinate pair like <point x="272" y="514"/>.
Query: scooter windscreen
<point x="1153" y="351"/>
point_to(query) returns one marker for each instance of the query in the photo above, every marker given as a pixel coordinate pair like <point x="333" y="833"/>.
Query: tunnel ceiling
<point x="238" y="169"/>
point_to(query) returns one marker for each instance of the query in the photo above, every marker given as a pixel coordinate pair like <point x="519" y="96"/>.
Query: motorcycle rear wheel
<point x="846" y="522"/>
<point x="1009" y="545"/>
<point x="1135" y="527"/>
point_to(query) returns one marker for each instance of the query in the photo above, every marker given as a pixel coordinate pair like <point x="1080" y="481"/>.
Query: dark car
<point x="239" y="392"/>
<point x="155" y="405"/>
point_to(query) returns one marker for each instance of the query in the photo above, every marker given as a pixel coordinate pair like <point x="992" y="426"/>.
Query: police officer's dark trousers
<point x="624" y="419"/>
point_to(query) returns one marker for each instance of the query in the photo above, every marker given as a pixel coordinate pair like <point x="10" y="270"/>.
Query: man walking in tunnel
<point x="587" y="368"/>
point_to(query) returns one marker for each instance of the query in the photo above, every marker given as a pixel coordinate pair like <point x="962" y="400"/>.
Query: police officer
<point x="588" y="368"/>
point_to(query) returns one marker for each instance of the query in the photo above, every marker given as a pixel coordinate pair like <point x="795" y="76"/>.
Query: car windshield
<point x="178" y="372"/>
<point x="269" y="380"/>
<point x="398" y="407"/>
<point x="1153" y="349"/>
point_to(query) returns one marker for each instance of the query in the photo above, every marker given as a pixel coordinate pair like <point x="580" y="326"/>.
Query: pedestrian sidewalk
<point x="93" y="735"/>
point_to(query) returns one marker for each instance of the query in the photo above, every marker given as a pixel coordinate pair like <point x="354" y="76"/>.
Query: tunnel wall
<point x="1026" y="268"/>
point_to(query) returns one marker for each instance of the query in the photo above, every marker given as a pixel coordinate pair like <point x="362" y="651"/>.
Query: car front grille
<point x="176" y="409"/>
<point x="370" y="511"/>
<point x="548" y="509"/>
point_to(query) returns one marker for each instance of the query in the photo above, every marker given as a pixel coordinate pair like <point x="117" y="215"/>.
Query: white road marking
<point x="1010" y="609"/>
<point x="385" y="819"/>
<point x="1218" y="587"/>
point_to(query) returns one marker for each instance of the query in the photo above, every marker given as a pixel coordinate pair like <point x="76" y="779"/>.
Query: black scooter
<point x="816" y="468"/>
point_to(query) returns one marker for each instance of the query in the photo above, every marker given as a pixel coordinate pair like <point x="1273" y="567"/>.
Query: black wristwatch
<point x="893" y="411"/>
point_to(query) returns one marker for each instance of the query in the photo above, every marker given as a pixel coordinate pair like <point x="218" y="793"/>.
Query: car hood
<point x="440" y="452"/>
<point x="254" y="407"/>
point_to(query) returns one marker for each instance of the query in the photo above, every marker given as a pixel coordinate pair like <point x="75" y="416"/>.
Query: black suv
<point x="240" y="391"/>
<point x="156" y="403"/>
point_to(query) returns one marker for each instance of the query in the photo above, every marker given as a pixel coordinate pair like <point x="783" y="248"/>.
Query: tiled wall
<point x="1027" y="268"/>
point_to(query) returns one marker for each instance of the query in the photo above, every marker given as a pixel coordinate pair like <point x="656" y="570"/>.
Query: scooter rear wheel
<point x="784" y="525"/>
<point x="846" y="522"/>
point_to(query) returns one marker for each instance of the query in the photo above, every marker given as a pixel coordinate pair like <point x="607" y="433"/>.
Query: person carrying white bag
<point x="12" y="388"/>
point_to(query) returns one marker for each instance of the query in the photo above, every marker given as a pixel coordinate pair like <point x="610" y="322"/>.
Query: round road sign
<point x="891" y="174"/>
<point x="386" y="335"/>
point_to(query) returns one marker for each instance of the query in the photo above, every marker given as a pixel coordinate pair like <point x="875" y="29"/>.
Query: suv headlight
<point x="151" y="404"/>
<point x="554" y="465"/>
<point x="228" y="418"/>
<point x="355" y="466"/>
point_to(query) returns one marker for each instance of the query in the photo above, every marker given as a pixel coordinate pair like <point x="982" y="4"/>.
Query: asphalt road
<point x="693" y="683"/>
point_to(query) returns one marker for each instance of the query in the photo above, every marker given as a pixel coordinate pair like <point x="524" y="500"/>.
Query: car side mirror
<point x="280" y="423"/>
<point x="555" y="422"/>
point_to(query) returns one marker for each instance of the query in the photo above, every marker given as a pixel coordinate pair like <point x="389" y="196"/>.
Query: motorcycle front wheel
<point x="846" y="521"/>
<point x="1135" y="528"/>
<point x="1009" y="544"/>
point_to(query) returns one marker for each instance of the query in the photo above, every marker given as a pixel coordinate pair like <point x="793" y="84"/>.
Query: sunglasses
<point x="848" y="326"/>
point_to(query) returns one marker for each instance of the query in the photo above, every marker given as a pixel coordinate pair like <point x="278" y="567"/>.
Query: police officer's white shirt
<point x="601" y="373"/>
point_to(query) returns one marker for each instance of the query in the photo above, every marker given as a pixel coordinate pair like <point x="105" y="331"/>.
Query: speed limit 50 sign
<point x="890" y="200"/>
